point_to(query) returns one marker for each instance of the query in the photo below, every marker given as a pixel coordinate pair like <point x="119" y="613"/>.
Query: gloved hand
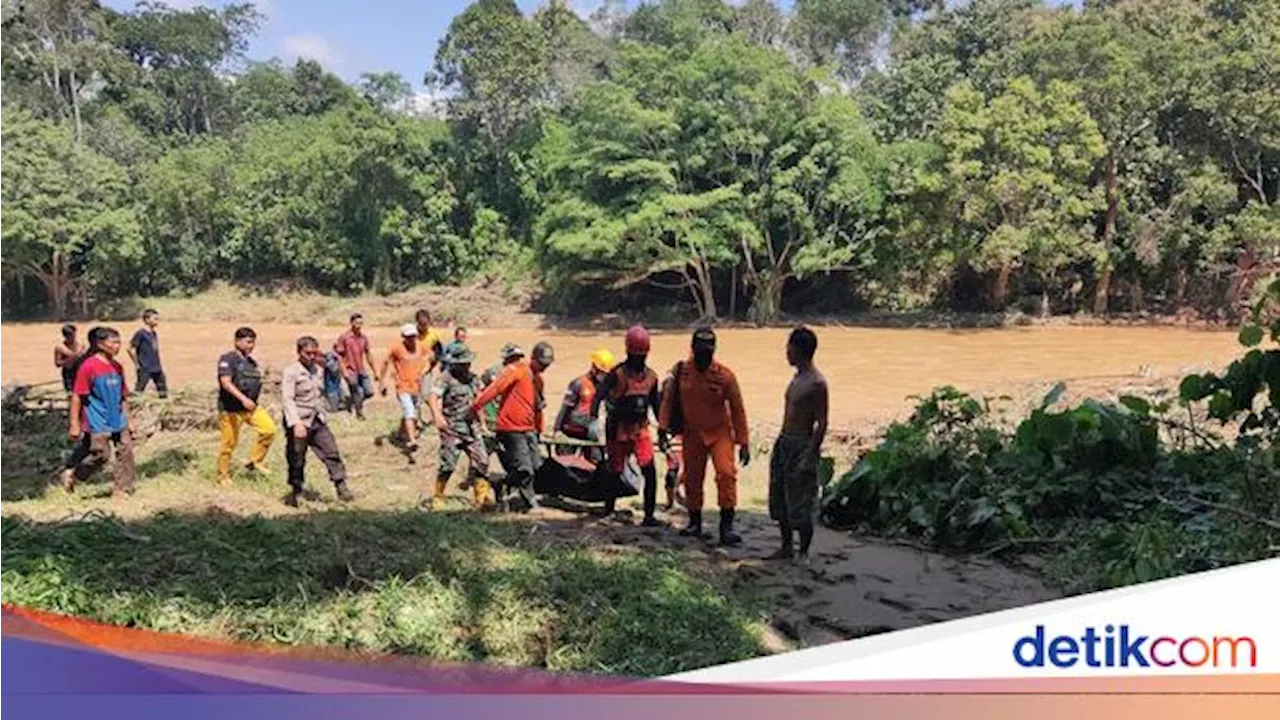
<point x="664" y="441"/>
<point x="744" y="455"/>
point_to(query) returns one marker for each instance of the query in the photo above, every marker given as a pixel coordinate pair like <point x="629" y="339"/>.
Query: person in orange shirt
<point x="519" y="391"/>
<point x="409" y="358"/>
<point x="705" y="405"/>
<point x="631" y="391"/>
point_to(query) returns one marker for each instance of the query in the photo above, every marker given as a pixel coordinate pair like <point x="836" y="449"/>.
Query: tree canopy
<point x="741" y="158"/>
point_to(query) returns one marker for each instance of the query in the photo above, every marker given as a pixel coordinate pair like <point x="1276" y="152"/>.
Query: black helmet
<point x="544" y="354"/>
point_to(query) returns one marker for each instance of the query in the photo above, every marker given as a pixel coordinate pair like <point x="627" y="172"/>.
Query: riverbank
<point x="499" y="304"/>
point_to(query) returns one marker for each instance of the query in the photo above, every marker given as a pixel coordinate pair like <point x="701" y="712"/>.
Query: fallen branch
<point x="1014" y="542"/>
<point x="1238" y="512"/>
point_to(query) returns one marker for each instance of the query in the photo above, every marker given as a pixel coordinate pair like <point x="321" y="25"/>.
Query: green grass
<point x="441" y="585"/>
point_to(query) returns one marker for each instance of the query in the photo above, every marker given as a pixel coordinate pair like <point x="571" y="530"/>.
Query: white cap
<point x="408" y="331"/>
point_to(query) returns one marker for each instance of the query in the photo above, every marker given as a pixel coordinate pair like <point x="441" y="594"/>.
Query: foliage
<point x="898" y="153"/>
<point x="66" y="208"/>
<point x="1104" y="488"/>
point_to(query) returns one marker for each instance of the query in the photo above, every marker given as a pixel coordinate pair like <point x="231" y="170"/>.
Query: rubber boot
<point x="437" y="500"/>
<point x="650" y="496"/>
<point x="694" y="528"/>
<point x="727" y="536"/>
<point x="480" y="488"/>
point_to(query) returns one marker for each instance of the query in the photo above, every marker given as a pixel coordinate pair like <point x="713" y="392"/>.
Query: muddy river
<point x="871" y="371"/>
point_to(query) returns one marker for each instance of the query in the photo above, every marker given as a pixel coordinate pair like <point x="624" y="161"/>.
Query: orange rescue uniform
<point x="714" y="421"/>
<point x="521" y="391"/>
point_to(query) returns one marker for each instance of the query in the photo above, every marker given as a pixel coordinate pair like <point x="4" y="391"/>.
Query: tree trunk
<point x="1241" y="281"/>
<point x="1180" y="280"/>
<point x="1138" y="298"/>
<point x="1102" y="292"/>
<point x="75" y="105"/>
<point x="1000" y="289"/>
<point x="57" y="283"/>
<point x="733" y="292"/>
<point x="766" y="307"/>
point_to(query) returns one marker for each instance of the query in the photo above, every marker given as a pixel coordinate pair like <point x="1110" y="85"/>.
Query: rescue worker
<point x="706" y="405"/>
<point x="460" y="432"/>
<point x="631" y="391"/>
<point x="577" y="418"/>
<point x="519" y="424"/>
<point x="509" y="353"/>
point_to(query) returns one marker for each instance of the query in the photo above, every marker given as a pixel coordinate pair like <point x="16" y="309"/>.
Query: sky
<point x="350" y="37"/>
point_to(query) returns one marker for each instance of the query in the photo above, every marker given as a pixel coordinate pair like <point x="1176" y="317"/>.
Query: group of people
<point x="694" y="414"/>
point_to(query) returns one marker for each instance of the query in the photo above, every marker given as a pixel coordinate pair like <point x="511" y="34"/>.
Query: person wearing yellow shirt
<point x="430" y="341"/>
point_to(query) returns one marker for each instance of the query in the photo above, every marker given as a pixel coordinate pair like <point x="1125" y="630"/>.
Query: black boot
<point x="650" y="495"/>
<point x="727" y="536"/>
<point x="344" y="492"/>
<point x="694" y="528"/>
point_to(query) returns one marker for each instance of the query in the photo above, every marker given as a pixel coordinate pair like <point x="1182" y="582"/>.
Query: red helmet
<point x="637" y="340"/>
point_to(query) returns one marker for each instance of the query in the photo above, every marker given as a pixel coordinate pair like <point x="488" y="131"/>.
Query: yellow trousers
<point x="230" y="422"/>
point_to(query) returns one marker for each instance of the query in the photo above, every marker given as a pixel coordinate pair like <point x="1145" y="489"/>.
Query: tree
<point x="1234" y="103"/>
<point x="843" y="34"/>
<point x="264" y="91"/>
<point x="493" y="63"/>
<point x="818" y="204"/>
<point x="1118" y="57"/>
<point x="52" y="50"/>
<point x="979" y="41"/>
<point x="177" y="57"/>
<point x="761" y="22"/>
<point x="387" y="91"/>
<point x="68" y="218"/>
<point x="1018" y="166"/>
<point x="575" y="55"/>
<point x="617" y="209"/>
<point x="317" y="91"/>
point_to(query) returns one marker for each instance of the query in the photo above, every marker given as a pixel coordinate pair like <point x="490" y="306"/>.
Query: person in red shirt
<point x="631" y="391"/>
<point x="519" y="392"/>
<point x="357" y="363"/>
<point x="99" y="416"/>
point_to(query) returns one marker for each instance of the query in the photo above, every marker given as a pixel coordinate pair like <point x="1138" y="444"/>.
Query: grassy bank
<point x="438" y="585"/>
<point x="232" y="562"/>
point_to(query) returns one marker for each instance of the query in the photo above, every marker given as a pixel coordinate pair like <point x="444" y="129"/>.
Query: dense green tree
<point x="173" y="84"/>
<point x="1018" y="166"/>
<point x="68" y="219"/>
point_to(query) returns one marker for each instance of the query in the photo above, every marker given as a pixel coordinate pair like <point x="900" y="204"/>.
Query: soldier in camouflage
<point x="451" y="400"/>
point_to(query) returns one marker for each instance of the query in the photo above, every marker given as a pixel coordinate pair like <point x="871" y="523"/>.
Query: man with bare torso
<point x="793" y="466"/>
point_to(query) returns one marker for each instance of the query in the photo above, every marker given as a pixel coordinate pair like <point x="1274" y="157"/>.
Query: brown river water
<point x="871" y="371"/>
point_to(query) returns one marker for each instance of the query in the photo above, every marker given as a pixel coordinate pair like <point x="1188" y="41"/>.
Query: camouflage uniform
<point x="461" y="434"/>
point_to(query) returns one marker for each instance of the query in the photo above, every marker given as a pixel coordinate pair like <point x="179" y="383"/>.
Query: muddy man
<point x="793" y="467"/>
